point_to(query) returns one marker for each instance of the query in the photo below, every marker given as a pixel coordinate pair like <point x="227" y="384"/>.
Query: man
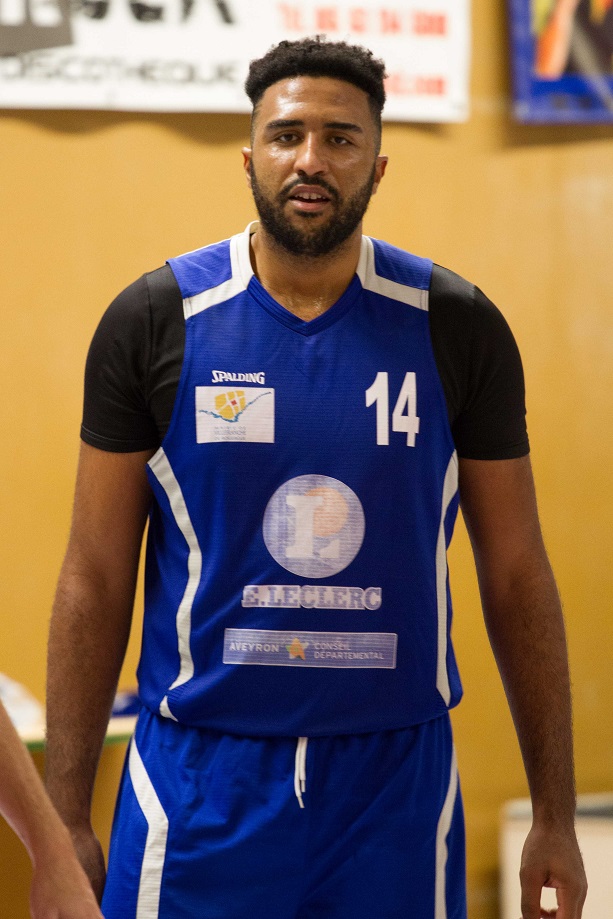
<point x="59" y="888"/>
<point x="289" y="406"/>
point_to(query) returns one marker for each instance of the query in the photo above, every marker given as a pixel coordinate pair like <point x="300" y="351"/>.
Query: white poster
<point x="193" y="55"/>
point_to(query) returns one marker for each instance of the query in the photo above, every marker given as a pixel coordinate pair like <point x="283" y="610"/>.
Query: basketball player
<point x="59" y="889"/>
<point x="298" y="410"/>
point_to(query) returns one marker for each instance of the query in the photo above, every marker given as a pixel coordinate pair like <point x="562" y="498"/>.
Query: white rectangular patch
<point x="310" y="649"/>
<point x="235" y="414"/>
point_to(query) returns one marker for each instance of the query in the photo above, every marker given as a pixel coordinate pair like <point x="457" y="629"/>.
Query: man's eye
<point x="286" y="138"/>
<point x="339" y="141"/>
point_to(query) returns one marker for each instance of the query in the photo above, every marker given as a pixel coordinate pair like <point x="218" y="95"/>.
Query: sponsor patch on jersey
<point x="314" y="526"/>
<point x="341" y="650"/>
<point x="230" y="414"/>
<point x="311" y="596"/>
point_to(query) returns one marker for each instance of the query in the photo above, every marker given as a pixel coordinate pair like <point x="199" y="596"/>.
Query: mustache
<point x="320" y="183"/>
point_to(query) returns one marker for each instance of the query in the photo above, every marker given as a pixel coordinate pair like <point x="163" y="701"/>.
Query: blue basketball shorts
<point x="212" y="826"/>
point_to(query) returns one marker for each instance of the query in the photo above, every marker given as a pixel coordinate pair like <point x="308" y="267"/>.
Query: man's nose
<point x="310" y="156"/>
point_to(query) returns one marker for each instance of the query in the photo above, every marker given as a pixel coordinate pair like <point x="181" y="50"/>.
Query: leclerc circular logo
<point x="314" y="526"/>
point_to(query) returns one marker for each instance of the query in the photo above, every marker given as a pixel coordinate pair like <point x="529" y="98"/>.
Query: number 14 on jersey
<point x="404" y="416"/>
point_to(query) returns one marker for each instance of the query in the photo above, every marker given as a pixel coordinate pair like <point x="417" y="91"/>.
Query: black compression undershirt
<point x="136" y="355"/>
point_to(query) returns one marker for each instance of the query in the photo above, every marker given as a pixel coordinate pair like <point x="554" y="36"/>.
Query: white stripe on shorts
<point x="444" y="825"/>
<point x="148" y="904"/>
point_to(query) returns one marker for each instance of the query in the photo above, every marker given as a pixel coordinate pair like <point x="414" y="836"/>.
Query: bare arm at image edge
<point x="525" y="625"/>
<point x="89" y="630"/>
<point x="553" y="44"/>
<point x="59" y="888"/>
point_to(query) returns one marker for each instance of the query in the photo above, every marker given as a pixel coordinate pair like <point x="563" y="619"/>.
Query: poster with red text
<point x="193" y="55"/>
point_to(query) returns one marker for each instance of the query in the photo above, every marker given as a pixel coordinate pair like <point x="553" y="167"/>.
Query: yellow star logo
<point x="297" y="649"/>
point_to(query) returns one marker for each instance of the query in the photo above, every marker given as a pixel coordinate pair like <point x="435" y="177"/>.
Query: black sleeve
<point x="133" y="366"/>
<point x="480" y="368"/>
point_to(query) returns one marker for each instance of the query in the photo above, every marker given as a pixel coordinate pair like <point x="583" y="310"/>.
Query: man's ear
<point x="246" y="151"/>
<point x="380" y="168"/>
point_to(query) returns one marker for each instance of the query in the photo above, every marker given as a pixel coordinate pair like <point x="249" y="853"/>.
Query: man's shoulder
<point x="204" y="268"/>
<point x="447" y="291"/>
<point x="400" y="266"/>
<point x="447" y="284"/>
<point x="454" y="299"/>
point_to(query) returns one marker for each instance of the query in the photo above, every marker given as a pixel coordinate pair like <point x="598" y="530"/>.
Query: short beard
<point x="319" y="241"/>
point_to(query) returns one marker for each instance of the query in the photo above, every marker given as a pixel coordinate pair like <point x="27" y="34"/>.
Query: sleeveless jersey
<point x="304" y="498"/>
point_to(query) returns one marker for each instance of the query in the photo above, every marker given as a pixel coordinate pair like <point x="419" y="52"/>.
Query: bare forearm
<point x="553" y="44"/>
<point x="524" y="619"/>
<point x="87" y="639"/>
<point x="60" y="889"/>
<point x="526" y="629"/>
<point x="91" y="621"/>
<point x="23" y="801"/>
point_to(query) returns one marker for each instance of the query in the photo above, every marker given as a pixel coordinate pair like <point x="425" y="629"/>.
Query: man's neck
<point x="306" y="286"/>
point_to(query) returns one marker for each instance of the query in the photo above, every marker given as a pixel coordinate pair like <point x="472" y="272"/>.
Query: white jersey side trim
<point x="227" y="289"/>
<point x="450" y="487"/>
<point x="370" y="280"/>
<point x="242" y="265"/>
<point x="442" y="831"/>
<point x="162" y="470"/>
<point x="148" y="903"/>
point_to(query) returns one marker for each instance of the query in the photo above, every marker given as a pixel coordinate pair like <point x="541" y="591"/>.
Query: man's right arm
<point x="89" y="630"/>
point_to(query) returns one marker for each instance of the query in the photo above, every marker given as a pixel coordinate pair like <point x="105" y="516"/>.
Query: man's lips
<point x="309" y="197"/>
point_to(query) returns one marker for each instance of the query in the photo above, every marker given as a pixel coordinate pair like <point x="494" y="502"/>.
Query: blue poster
<point x="562" y="54"/>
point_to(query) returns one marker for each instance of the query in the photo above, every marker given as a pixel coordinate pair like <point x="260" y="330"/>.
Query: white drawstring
<point x="300" y="770"/>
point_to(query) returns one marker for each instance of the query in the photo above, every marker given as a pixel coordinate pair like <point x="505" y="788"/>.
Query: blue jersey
<point x="304" y="498"/>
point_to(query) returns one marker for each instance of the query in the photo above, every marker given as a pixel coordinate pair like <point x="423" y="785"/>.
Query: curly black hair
<point x="319" y="58"/>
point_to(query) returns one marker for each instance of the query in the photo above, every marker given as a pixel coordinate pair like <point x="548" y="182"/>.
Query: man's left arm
<point x="523" y="616"/>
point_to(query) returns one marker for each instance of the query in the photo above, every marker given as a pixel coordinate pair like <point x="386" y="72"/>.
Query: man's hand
<point x="89" y="852"/>
<point x="60" y="887"/>
<point x="551" y="858"/>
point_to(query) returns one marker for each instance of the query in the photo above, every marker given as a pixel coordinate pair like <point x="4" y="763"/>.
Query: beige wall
<point x="88" y="201"/>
